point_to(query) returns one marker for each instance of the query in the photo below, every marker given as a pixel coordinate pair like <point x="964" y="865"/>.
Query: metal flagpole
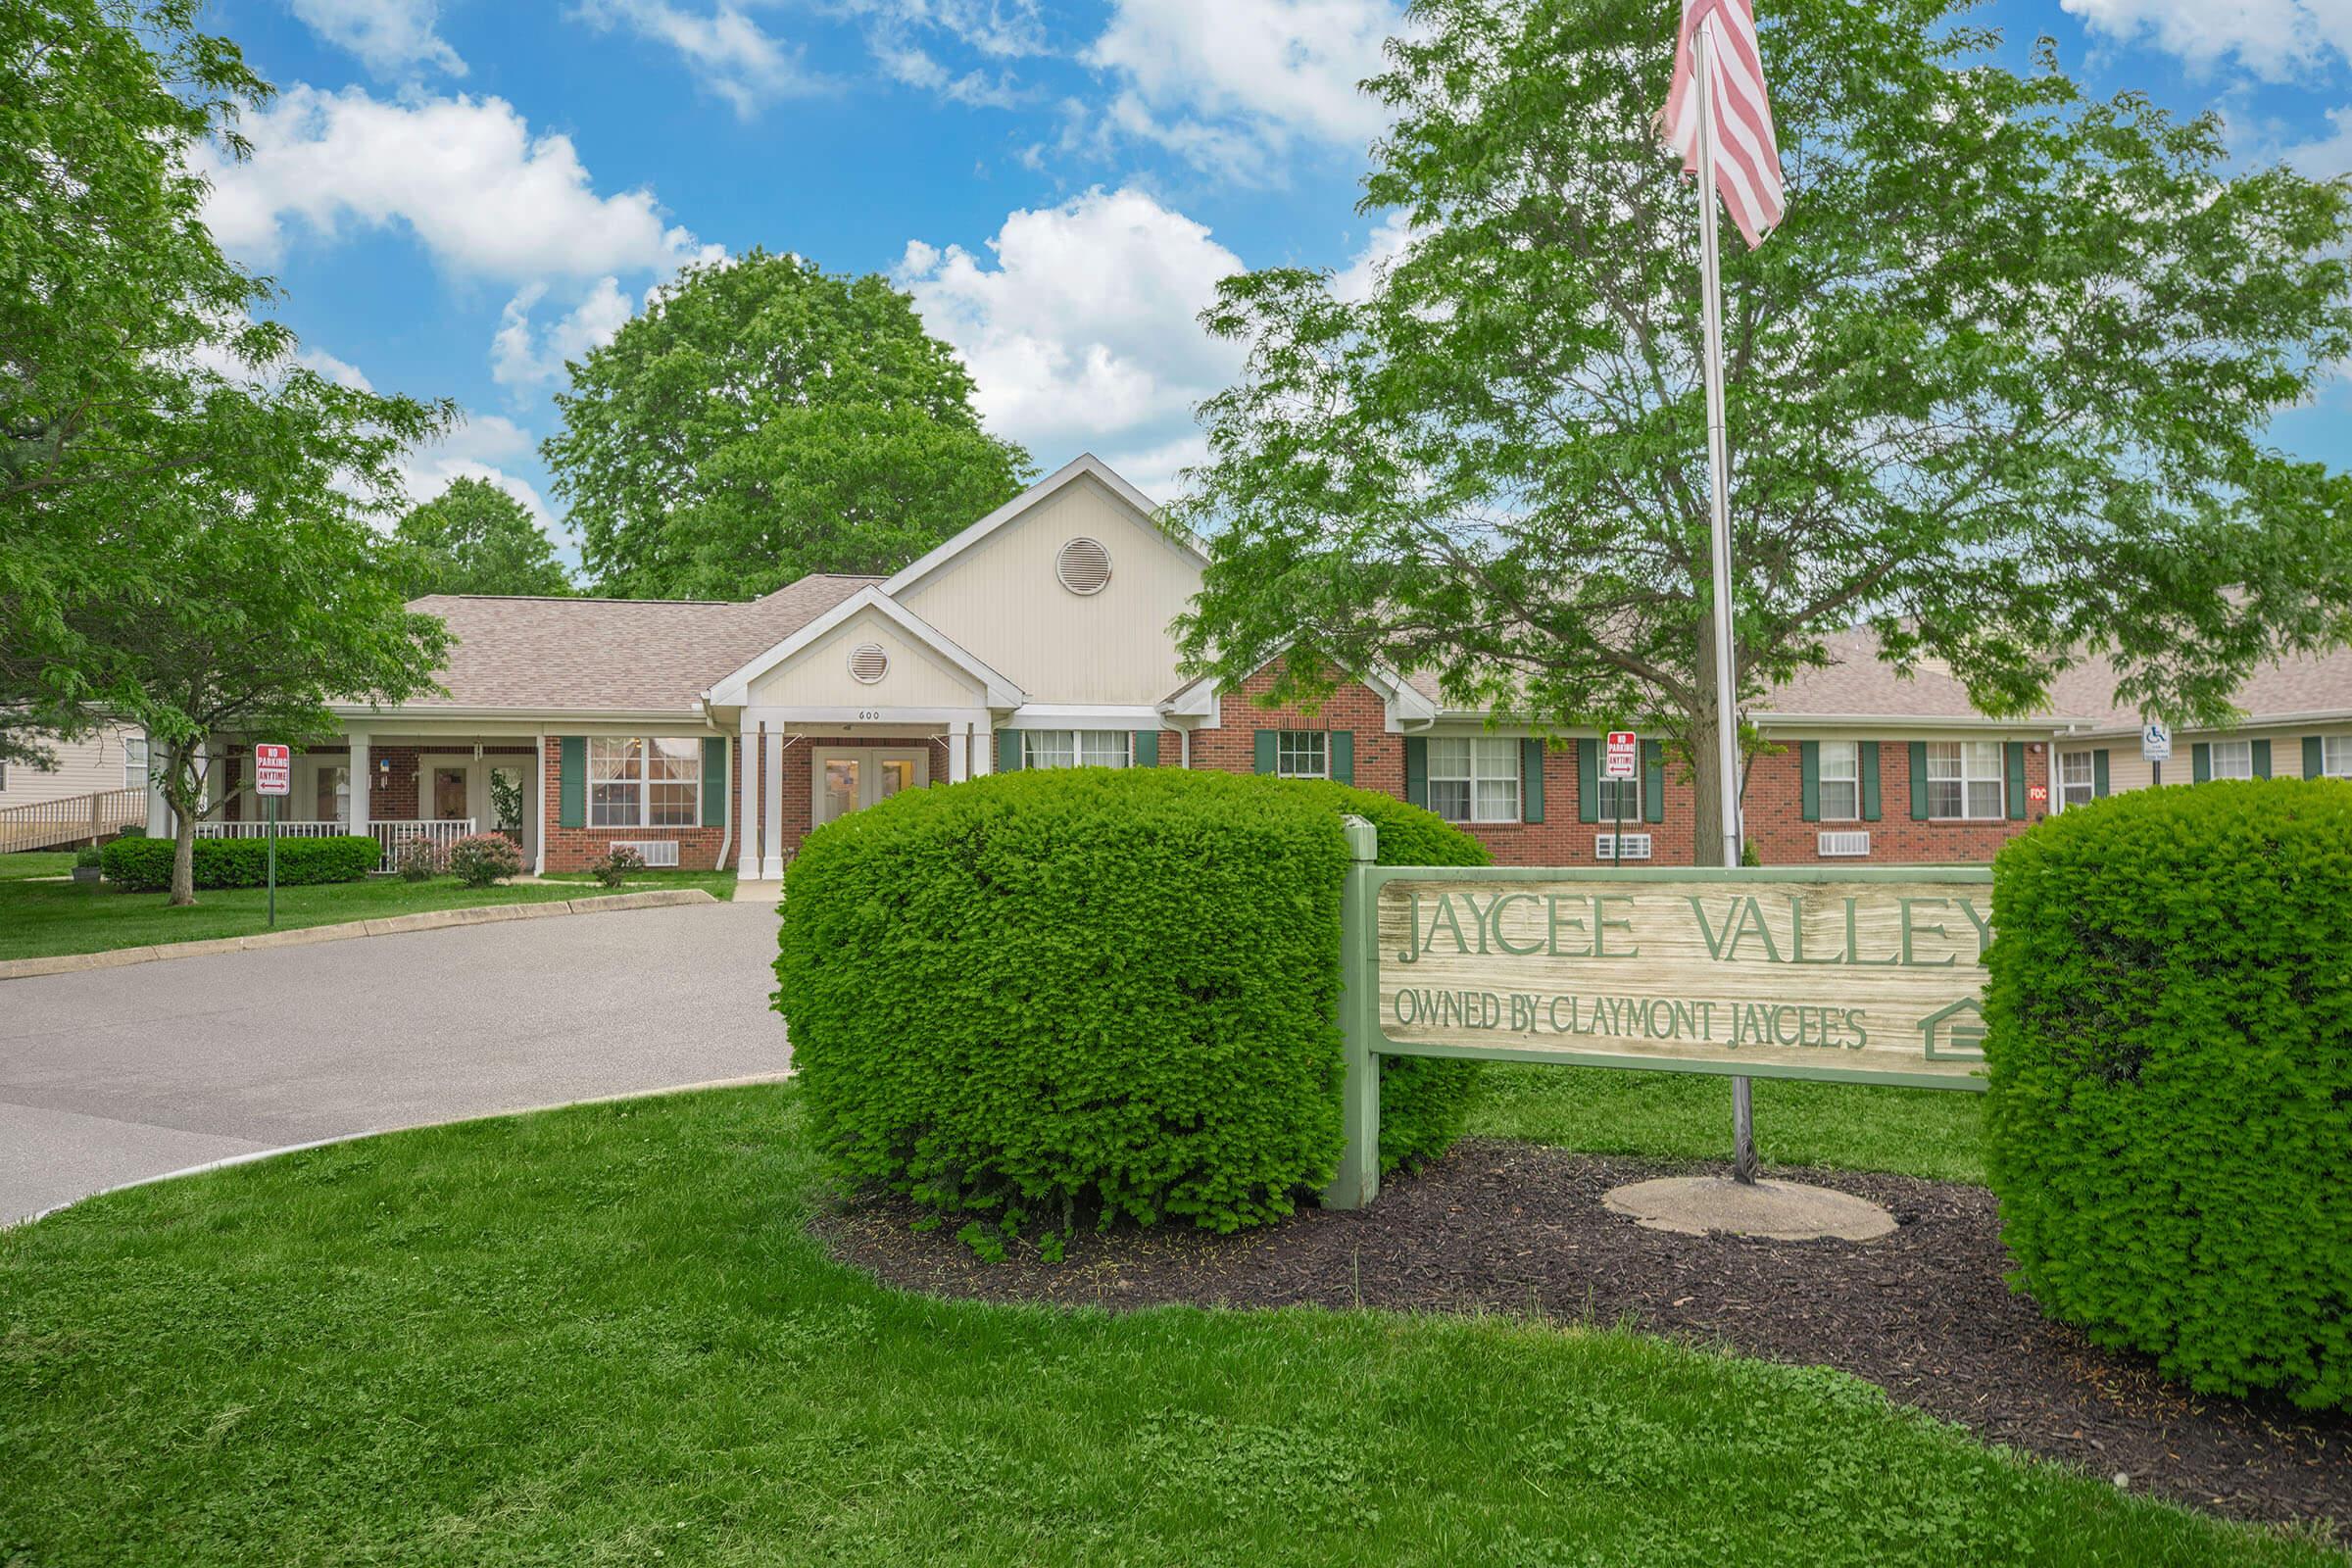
<point x="1719" y="467"/>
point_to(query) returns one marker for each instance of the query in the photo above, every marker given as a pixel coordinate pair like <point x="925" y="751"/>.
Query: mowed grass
<point x="600" y="1336"/>
<point x="1935" y="1133"/>
<point x="38" y="918"/>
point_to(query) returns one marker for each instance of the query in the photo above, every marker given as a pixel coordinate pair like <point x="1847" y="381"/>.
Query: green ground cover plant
<point x="603" y="1336"/>
<point x="2170" y="1043"/>
<point x="40" y="918"/>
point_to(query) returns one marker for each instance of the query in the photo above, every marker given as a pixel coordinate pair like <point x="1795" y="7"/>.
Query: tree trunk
<point x="1707" y="791"/>
<point x="184" y="791"/>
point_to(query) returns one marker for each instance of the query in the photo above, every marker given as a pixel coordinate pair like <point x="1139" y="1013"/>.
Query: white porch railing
<point x="390" y="837"/>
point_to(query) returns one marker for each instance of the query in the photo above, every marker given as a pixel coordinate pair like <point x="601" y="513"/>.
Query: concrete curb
<point x="251" y="1156"/>
<point x="421" y="920"/>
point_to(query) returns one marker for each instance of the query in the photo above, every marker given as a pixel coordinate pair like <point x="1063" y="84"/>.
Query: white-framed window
<point x="2078" y="780"/>
<point x="2335" y="756"/>
<point x="645" y="781"/>
<point x="1621" y="798"/>
<point x="2233" y="758"/>
<point x="1474" y="778"/>
<point x="1841" y="781"/>
<point x="134" y="761"/>
<point x="1302" y="754"/>
<point x="1965" y="780"/>
<point x="1075" y="748"/>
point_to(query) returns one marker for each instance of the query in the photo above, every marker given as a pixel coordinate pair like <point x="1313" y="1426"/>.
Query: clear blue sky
<point x="457" y="194"/>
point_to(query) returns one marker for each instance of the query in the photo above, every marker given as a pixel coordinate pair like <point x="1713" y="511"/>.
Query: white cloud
<point x="914" y="67"/>
<point x="391" y="36"/>
<point x="341" y="371"/>
<point x="2275" y="39"/>
<point x="479" y="449"/>
<point x="522" y="355"/>
<point x="905" y="37"/>
<point x="1225" y="82"/>
<point x="1083" y="331"/>
<point x="465" y="174"/>
<point x="727" y="52"/>
<point x="1355" y="282"/>
<point x="2331" y="156"/>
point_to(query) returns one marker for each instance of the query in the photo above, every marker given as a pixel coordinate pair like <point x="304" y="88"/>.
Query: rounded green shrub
<point x="1424" y="1100"/>
<point x="2169" y="1115"/>
<point x="144" y="864"/>
<point x="1084" y="991"/>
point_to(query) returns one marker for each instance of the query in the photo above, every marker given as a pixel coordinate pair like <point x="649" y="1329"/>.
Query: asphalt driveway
<point x="110" y="1075"/>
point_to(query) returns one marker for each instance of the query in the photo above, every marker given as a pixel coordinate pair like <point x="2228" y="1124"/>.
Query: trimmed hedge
<point x="2170" y="1108"/>
<point x="1073" y="991"/>
<point x="144" y="865"/>
<point x="1424" y="1100"/>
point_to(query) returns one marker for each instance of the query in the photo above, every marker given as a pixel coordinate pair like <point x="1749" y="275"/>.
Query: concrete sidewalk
<point x="110" y="1075"/>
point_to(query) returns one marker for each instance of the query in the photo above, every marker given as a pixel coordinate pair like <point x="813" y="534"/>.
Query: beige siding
<point x="2126" y="769"/>
<point x="1000" y="600"/>
<point x="818" y="676"/>
<point x="83" y="768"/>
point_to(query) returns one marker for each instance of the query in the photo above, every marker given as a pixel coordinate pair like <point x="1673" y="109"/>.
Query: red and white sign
<point x="272" y="770"/>
<point x="1624" y="760"/>
<point x="2037" y="791"/>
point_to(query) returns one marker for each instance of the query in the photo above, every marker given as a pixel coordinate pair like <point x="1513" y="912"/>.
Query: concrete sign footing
<point x="1779" y="1211"/>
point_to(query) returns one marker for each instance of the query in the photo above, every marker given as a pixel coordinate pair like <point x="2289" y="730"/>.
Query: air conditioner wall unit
<point x="1843" y="844"/>
<point x="653" y="852"/>
<point x="1635" y="846"/>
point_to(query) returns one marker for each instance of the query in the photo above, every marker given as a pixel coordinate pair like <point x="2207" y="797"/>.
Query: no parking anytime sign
<point x="272" y="770"/>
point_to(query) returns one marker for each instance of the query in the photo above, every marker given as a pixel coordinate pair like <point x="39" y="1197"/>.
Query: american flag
<point x="1747" y="158"/>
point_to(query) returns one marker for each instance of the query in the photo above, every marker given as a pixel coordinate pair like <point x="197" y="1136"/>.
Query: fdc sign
<point x="1862" y="975"/>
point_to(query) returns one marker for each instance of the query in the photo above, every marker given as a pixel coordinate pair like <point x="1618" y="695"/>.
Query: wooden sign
<point x="1841" y="974"/>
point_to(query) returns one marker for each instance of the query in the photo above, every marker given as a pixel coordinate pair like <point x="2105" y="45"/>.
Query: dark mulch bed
<point x="1519" y="1228"/>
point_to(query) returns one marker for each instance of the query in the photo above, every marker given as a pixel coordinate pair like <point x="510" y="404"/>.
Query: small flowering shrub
<point x="421" y="860"/>
<point x="614" y="868"/>
<point x="481" y="858"/>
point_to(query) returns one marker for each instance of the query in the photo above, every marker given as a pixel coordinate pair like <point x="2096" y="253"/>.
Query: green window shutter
<point x="1008" y="751"/>
<point x="1867" y="759"/>
<point x="1416" y="771"/>
<point x="2016" y="780"/>
<point x="1654" y="781"/>
<point x="1530" y="781"/>
<point x="2200" y="761"/>
<point x="573" y="804"/>
<point x="2315" y="761"/>
<point x="2262" y="759"/>
<point x="2098" y="774"/>
<point x="1809" y="789"/>
<point x="1343" y="756"/>
<point x="714" y="781"/>
<point x="1588" y="781"/>
<point x="1147" y="747"/>
<point x="1919" y="781"/>
<point x="1266" y="751"/>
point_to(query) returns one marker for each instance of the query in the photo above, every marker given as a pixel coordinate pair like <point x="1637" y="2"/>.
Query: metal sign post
<point x="272" y="776"/>
<point x="1624" y="756"/>
<point x="2156" y="746"/>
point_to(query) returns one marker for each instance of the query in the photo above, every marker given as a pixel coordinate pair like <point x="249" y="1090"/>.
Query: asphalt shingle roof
<point x="551" y="654"/>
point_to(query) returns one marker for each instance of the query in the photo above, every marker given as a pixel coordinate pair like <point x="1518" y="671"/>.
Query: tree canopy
<point x="475" y="538"/>
<point x="1997" y="388"/>
<point x="763" y="420"/>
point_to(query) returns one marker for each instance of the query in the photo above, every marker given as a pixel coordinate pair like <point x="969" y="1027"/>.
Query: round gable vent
<point x="1083" y="565"/>
<point x="869" y="663"/>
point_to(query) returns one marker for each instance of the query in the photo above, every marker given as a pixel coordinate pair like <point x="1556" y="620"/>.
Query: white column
<point x="362" y="786"/>
<point x="771" y="859"/>
<point x="959" y="751"/>
<point x="984" y="751"/>
<point x="747" y="796"/>
<point x="539" y="806"/>
<point x="207" y="796"/>
<point x="159" y="810"/>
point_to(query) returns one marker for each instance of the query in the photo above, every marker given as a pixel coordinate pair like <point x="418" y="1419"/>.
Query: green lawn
<point x="600" y="1335"/>
<point x="41" y="917"/>
<point x="1935" y="1133"/>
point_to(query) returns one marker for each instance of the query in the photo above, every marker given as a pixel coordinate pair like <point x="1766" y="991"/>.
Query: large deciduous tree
<point x="763" y="419"/>
<point x="475" y="538"/>
<point x="1997" y="388"/>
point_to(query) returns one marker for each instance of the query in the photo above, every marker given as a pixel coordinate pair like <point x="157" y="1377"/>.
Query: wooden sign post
<point x="1865" y="975"/>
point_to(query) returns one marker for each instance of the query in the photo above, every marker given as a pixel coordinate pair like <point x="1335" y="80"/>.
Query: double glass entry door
<point x="848" y="780"/>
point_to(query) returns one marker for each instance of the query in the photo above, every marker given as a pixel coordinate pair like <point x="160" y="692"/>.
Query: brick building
<point x="721" y="733"/>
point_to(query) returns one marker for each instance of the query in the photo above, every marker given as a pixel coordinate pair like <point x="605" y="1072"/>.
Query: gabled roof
<point x="1085" y="466"/>
<point x="604" y="655"/>
<point x="734" y="690"/>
